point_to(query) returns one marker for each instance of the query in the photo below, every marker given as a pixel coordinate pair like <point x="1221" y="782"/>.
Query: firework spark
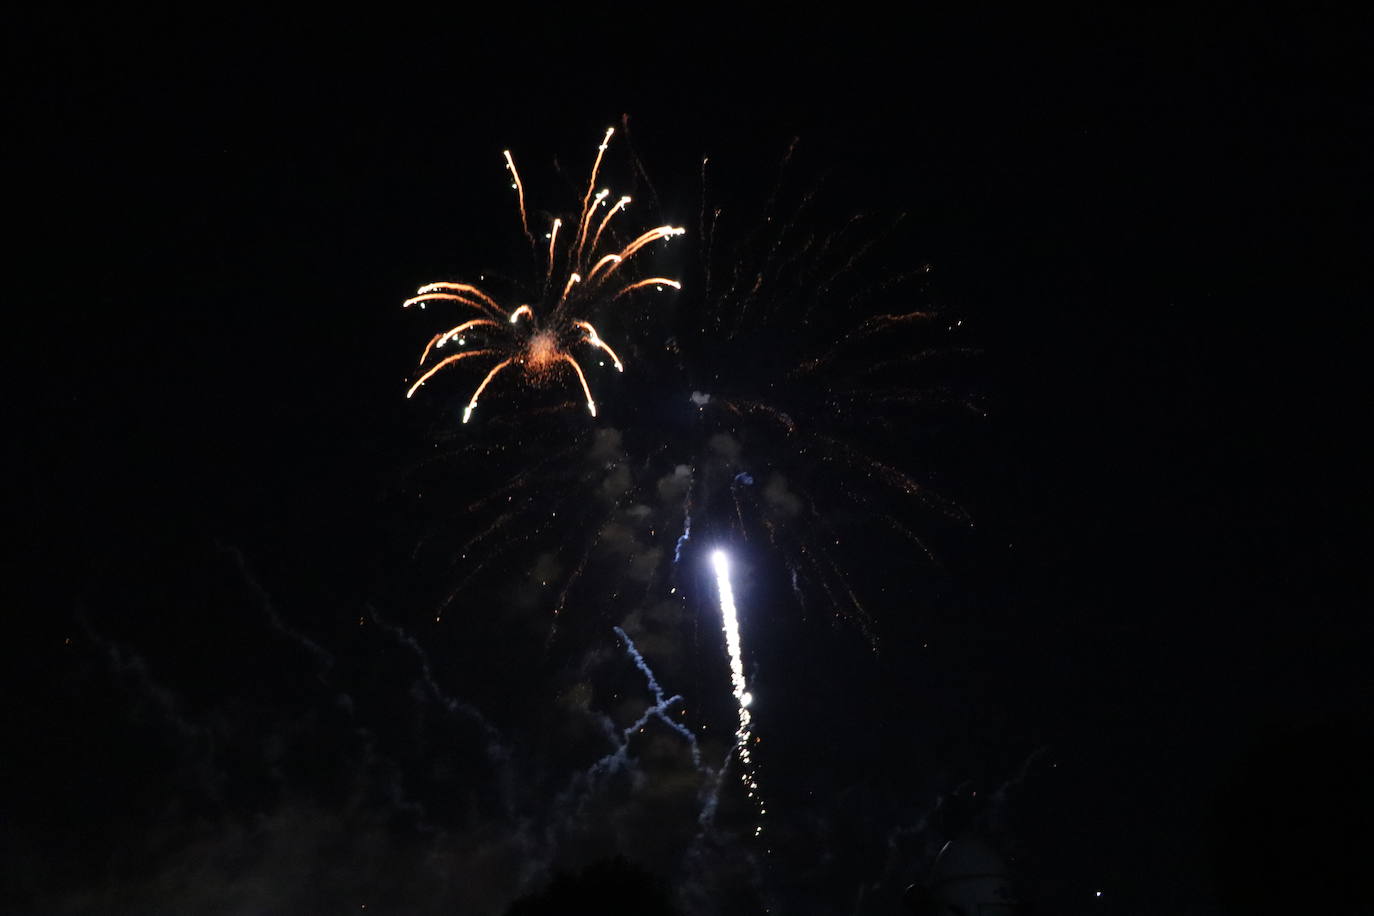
<point x="538" y="338"/>
<point x="720" y="561"/>
<point x="813" y="369"/>
<point x="809" y="368"/>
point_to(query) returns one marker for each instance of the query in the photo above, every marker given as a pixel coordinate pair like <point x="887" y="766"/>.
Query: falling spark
<point x="431" y="288"/>
<point x="467" y="411"/>
<point x="441" y="339"/>
<point x="596" y="341"/>
<point x="591" y="184"/>
<point x="608" y="259"/>
<point x="652" y="281"/>
<point x="553" y="241"/>
<point x="587" y="214"/>
<point x="447" y="362"/>
<point x="653" y="235"/>
<point x="591" y="405"/>
<point x="572" y="278"/>
<point x="520" y="196"/>
<point x="429" y="297"/>
<point x="620" y="205"/>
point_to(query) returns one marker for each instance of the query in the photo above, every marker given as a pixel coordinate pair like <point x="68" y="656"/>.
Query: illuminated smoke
<point x="661" y="703"/>
<point x="575" y="799"/>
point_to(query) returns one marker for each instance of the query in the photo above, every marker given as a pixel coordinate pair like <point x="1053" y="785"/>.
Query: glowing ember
<point x="541" y="354"/>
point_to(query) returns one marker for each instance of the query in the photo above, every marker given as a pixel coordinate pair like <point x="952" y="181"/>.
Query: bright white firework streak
<point x="721" y="561"/>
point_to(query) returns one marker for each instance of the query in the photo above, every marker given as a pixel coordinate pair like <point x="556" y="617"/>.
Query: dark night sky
<point x="1158" y="227"/>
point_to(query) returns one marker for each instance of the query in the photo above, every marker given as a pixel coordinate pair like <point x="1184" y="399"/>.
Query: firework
<point x="801" y="379"/>
<point x="822" y="385"/>
<point x="793" y="402"/>
<point x="720" y="562"/>
<point x="538" y="337"/>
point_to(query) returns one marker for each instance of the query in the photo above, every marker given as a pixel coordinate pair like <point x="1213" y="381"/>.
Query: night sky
<point x="1142" y="674"/>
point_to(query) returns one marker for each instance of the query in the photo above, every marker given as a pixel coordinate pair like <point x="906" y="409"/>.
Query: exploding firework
<point x="780" y="422"/>
<point x="793" y="398"/>
<point x="539" y="336"/>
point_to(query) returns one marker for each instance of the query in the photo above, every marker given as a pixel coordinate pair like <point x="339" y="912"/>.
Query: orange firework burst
<point x="539" y="338"/>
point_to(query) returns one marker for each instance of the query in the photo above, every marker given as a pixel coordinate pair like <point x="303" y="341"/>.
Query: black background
<point x="1162" y="226"/>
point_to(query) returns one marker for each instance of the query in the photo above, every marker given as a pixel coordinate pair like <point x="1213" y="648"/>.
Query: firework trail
<point x="323" y="658"/>
<point x="584" y="784"/>
<point x="720" y="562"/>
<point x="661" y="703"/>
<point x="496" y="751"/>
<point x="686" y="535"/>
<point x="538" y="337"/>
